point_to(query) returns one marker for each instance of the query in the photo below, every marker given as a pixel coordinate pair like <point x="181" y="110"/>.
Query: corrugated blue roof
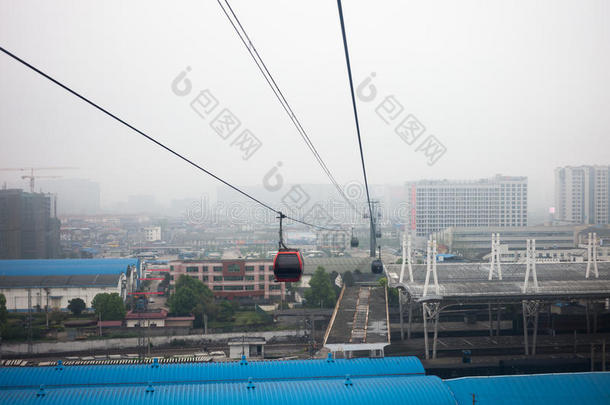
<point x="382" y="390"/>
<point x="573" y="388"/>
<point x="207" y="372"/>
<point x="63" y="267"/>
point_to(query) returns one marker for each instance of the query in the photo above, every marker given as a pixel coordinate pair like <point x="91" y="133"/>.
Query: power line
<point x="245" y="39"/>
<point x="351" y="86"/>
<point x="167" y="148"/>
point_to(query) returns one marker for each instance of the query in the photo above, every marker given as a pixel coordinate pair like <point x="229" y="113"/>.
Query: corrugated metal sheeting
<point x="386" y="390"/>
<point x="572" y="389"/>
<point x="392" y="380"/>
<point x="207" y="372"/>
<point x="62" y="267"/>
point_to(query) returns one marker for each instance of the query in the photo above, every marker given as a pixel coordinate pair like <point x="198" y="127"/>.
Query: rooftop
<point x="63" y="267"/>
<point x="82" y="280"/>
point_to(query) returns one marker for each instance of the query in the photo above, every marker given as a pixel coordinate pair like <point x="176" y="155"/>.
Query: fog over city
<point x="516" y="90"/>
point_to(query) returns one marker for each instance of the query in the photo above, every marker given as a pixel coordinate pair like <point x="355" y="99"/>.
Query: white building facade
<point x="500" y="201"/>
<point x="582" y="194"/>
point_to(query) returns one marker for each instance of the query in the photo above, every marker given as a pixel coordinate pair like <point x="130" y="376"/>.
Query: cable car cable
<point x="167" y="148"/>
<point x="260" y="63"/>
<point x="351" y="86"/>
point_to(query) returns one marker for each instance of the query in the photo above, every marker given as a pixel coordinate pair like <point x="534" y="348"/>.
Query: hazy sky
<point x="512" y="87"/>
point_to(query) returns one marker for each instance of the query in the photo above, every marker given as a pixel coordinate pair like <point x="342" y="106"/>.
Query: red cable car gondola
<point x="288" y="263"/>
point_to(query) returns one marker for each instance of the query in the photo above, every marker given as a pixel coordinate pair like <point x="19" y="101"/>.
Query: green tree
<point x="321" y="292"/>
<point x="76" y="306"/>
<point x="348" y="278"/>
<point x="3" y="312"/>
<point x="191" y="296"/>
<point x="110" y="306"/>
<point x="392" y="292"/>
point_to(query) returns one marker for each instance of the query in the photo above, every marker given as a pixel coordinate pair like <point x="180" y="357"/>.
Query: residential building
<point x="582" y="194"/>
<point x="29" y="228"/>
<point x="152" y="233"/>
<point x="500" y="201"/>
<point x="232" y="278"/>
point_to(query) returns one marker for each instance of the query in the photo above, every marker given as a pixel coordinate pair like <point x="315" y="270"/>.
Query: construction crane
<point x="31" y="177"/>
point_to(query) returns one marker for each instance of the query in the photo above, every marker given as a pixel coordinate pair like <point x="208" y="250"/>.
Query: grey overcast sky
<point x="512" y="87"/>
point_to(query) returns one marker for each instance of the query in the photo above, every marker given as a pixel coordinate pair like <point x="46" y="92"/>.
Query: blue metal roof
<point x="208" y="372"/>
<point x="63" y="267"/>
<point x="383" y="390"/>
<point x="572" y="388"/>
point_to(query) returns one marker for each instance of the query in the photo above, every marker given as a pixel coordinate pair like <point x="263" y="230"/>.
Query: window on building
<point x="250" y="278"/>
<point x="234" y="278"/>
<point x="261" y="286"/>
<point x="233" y="287"/>
<point x="192" y="269"/>
<point x="261" y="277"/>
<point x="171" y="268"/>
<point x="217" y="278"/>
<point x="217" y="288"/>
<point x="171" y="277"/>
<point x="204" y="269"/>
<point x="218" y="269"/>
<point x="275" y="287"/>
<point x="261" y="268"/>
<point x="270" y="278"/>
<point x="249" y="268"/>
<point x="249" y="287"/>
<point x="233" y="268"/>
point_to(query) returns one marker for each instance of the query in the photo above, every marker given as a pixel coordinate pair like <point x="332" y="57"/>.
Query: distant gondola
<point x="377" y="266"/>
<point x="354" y="241"/>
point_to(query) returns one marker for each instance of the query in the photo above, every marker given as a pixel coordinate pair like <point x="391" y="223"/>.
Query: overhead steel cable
<point x="260" y="63"/>
<point x="351" y="86"/>
<point x="153" y="140"/>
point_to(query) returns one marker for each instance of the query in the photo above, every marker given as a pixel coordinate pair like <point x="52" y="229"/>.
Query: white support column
<point x="592" y="255"/>
<point x="404" y="257"/>
<point x="410" y="258"/>
<point x="428" y="268"/>
<point x="495" y="257"/>
<point x="434" y="273"/>
<point x="530" y="263"/>
<point x="431" y="268"/>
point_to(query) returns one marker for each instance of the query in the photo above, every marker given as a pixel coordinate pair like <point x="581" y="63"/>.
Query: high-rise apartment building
<point x="28" y="226"/>
<point x="582" y="194"/>
<point x="439" y="204"/>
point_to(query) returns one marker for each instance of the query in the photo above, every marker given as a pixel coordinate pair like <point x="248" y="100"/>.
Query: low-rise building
<point x="236" y="278"/>
<point x="156" y="319"/>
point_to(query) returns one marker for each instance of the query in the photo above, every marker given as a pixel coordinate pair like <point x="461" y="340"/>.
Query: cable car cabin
<point x="378" y="234"/>
<point x="354" y="242"/>
<point x="288" y="265"/>
<point x="377" y="266"/>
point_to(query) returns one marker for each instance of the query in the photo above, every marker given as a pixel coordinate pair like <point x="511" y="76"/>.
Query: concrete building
<point x="55" y="292"/>
<point x="156" y="319"/>
<point x="53" y="283"/>
<point x="249" y="346"/>
<point x="237" y="278"/>
<point x="152" y="233"/>
<point x="474" y="242"/>
<point x="500" y="201"/>
<point x="29" y="228"/>
<point x="582" y="194"/>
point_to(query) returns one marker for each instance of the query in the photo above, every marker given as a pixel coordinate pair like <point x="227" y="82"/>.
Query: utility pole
<point x="29" y="321"/>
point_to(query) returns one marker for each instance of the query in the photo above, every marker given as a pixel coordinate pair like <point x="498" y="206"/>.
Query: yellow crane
<point x="31" y="176"/>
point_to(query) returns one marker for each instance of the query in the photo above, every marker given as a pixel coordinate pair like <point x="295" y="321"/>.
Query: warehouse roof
<point x="352" y="391"/>
<point x="57" y="267"/>
<point x="573" y="388"/>
<point x="82" y="280"/>
<point x="198" y="372"/>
